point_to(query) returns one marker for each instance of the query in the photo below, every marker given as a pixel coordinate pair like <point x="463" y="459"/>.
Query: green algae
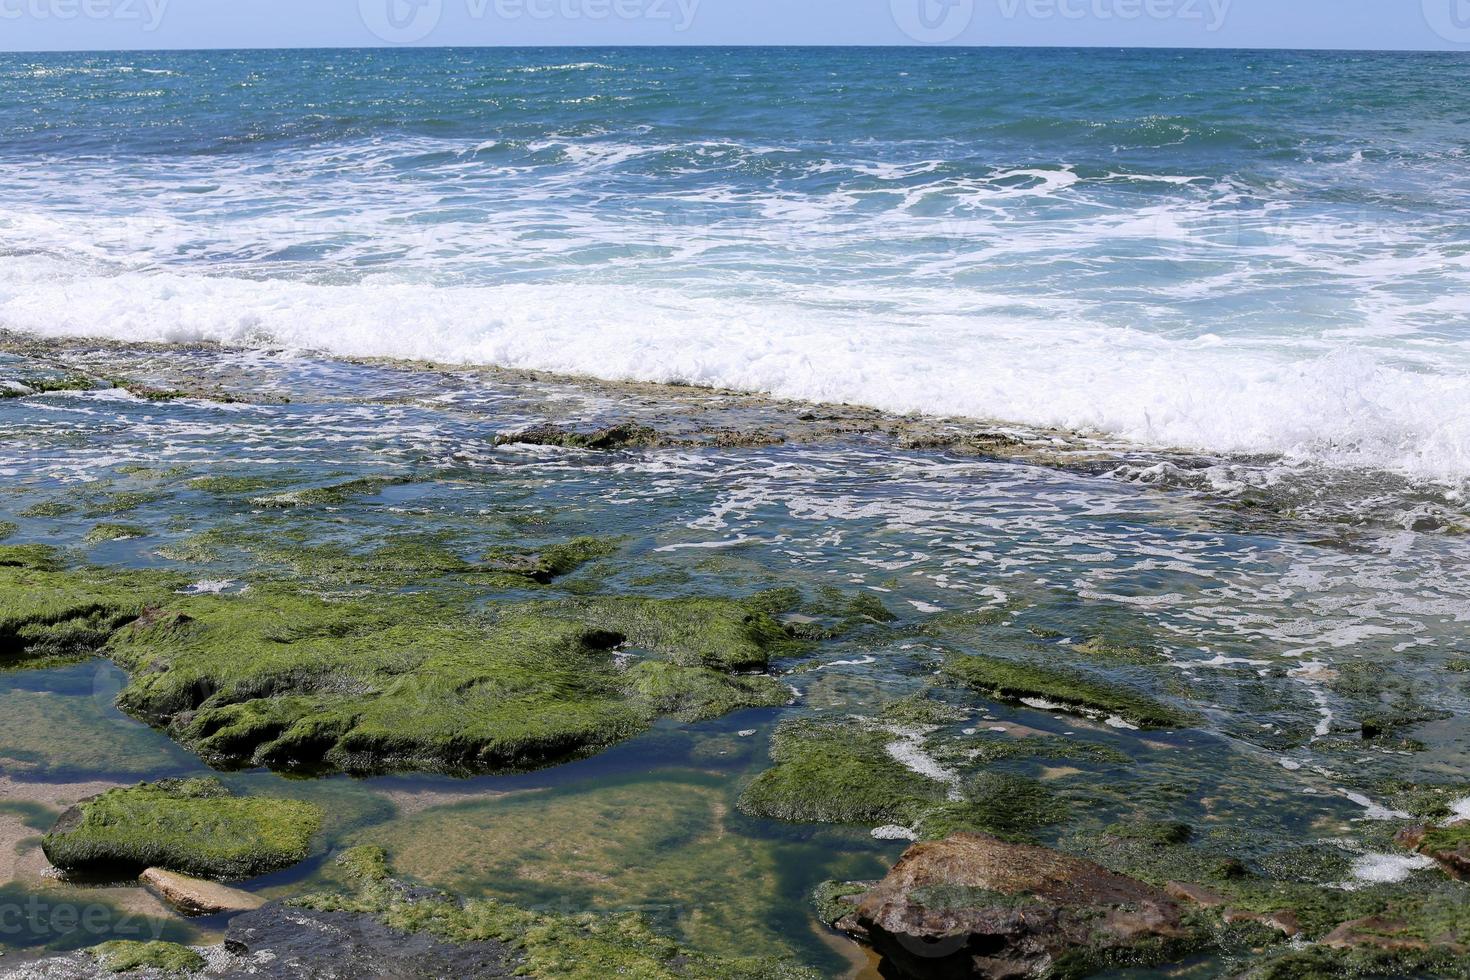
<point x="626" y="435"/>
<point x="293" y="681"/>
<point x="120" y="503"/>
<point x="1432" y="911"/>
<point x="844" y="771"/>
<point x="49" y="508"/>
<point x="699" y="693"/>
<point x="723" y="634"/>
<point x="125" y="955"/>
<point x="41" y="386"/>
<point x="226" y="485"/>
<point x="50" y="617"/>
<point x="920" y="708"/>
<point x="560" y="946"/>
<point x="838" y="771"/>
<point x="1008" y="806"/>
<point x="834" y="900"/>
<point x="114" y="532"/>
<point x="1446" y="838"/>
<point x="332" y="495"/>
<point x="544" y="565"/>
<point x="987" y="748"/>
<point x="666" y="844"/>
<point x="192" y="826"/>
<point x="8" y="529"/>
<point x="1015" y="681"/>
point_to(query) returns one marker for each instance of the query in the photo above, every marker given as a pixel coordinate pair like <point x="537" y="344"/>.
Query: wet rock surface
<point x="193" y="896"/>
<point x="976" y="906"/>
<point x="279" y="941"/>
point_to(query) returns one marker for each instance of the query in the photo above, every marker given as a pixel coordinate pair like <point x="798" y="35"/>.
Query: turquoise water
<point x="1232" y="251"/>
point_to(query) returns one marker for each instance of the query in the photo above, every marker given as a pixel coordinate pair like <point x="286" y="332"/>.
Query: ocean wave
<point x="1336" y="406"/>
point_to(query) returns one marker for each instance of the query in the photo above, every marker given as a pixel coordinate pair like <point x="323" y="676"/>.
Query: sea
<point x="1230" y="252"/>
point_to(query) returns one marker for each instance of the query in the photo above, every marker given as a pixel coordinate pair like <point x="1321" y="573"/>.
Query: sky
<point x="42" y="25"/>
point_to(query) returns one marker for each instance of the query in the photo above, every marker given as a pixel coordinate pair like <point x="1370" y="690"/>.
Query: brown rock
<point x="974" y="906"/>
<point x="1284" y="920"/>
<point x="194" y="896"/>
<point x="1454" y="859"/>
<point x="1194" y="894"/>
<point x="1376" y="931"/>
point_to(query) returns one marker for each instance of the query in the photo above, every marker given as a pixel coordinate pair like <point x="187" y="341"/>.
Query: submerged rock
<point x="976" y="906"/>
<point x="191" y="826"/>
<point x="194" y="896"/>
<point x="625" y="435"/>
<point x="1063" y="689"/>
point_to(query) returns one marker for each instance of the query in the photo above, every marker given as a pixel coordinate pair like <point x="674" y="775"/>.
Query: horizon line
<point x="736" y="47"/>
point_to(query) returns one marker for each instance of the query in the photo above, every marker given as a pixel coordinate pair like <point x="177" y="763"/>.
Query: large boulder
<point x="975" y="906"/>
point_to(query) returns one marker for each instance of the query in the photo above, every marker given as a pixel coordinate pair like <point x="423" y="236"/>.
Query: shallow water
<point x="1284" y="637"/>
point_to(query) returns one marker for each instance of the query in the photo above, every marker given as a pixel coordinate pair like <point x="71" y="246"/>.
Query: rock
<point x="195" y="826"/>
<point x="280" y="941"/>
<point x="974" y="906"/>
<point x="1195" y="894"/>
<point x="625" y="435"/>
<point x="1449" y="845"/>
<point x="1375" y="931"/>
<point x="194" y="896"/>
<point x="1284" y="921"/>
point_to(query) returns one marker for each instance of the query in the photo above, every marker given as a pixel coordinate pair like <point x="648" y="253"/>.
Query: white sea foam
<point x="912" y="285"/>
<point x="1343" y="408"/>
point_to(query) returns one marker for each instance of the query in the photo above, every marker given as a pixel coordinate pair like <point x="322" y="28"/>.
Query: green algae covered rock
<point x="192" y="826"/>
<point x="564" y="947"/>
<point x="281" y="677"/>
<point x="293" y="681"/>
<point x="722" y="634"/>
<point x="850" y="771"/>
<point x="49" y="616"/>
<point x="838" y="772"/>
<point x="1018" y="681"/>
<point x="125" y="955"/>
<point x="543" y="565"/>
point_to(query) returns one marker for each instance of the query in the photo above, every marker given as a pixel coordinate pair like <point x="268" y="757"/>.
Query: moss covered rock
<point x="50" y="616"/>
<point x="292" y="681"/>
<point x="192" y="826"/>
<point x="838" y="771"/>
<point x="125" y="955"/>
<point x="1014" y="680"/>
<point x="854" y="771"/>
<point x="543" y="565"/>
